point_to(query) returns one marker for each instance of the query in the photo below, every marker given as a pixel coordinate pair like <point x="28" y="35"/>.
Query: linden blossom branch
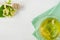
<point x="8" y="2"/>
<point x="8" y="9"/>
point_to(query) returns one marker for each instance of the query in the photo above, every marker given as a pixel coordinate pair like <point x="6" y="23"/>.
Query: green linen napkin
<point x="53" y="13"/>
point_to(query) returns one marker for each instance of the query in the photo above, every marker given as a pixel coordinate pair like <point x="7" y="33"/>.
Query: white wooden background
<point x="20" y="26"/>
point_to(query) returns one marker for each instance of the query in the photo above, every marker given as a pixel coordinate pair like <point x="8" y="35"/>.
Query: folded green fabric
<point x="47" y="19"/>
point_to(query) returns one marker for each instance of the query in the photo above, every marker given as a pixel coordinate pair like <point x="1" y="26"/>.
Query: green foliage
<point x="11" y="11"/>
